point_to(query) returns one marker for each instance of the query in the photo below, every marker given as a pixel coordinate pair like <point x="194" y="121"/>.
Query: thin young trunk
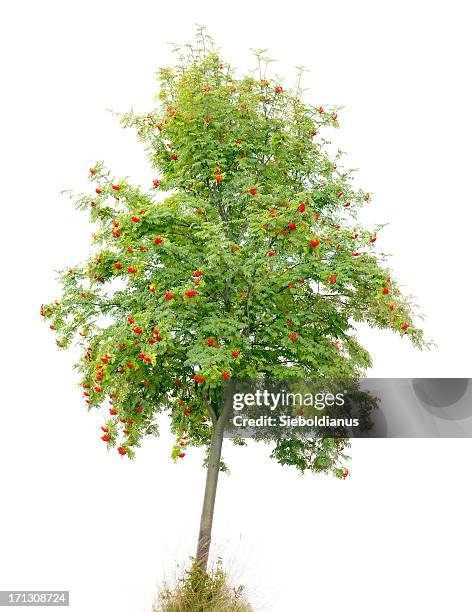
<point x="213" y="470"/>
<point x="206" y="521"/>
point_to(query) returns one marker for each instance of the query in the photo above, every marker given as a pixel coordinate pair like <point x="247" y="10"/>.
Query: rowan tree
<point x="244" y="258"/>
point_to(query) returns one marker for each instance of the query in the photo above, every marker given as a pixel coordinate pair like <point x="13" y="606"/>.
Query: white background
<point x="395" y="535"/>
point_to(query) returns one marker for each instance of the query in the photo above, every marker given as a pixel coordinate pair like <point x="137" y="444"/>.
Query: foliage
<point x="245" y="258"/>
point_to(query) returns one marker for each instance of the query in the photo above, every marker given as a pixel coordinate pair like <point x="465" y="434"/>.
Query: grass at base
<point x="197" y="591"/>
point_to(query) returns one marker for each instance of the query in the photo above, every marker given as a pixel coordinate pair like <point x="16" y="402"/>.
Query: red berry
<point x="113" y="411"/>
<point x="278" y="89"/>
<point x="169" y="295"/>
<point x="345" y="473"/>
<point x="405" y="325"/>
<point x="374" y="238"/>
<point x="392" y="307"/>
<point x="155" y="182"/>
<point x="106" y="438"/>
<point x="122" y="450"/>
<point x="158" y="240"/>
<point x="92" y="170"/>
<point x="198" y="273"/>
<point x="105" y="429"/>
<point x="218" y="179"/>
<point x="270" y="253"/>
<point x="314" y="243"/>
<point x="292" y="226"/>
<point x="181" y="455"/>
<point x="173" y="156"/>
<point x="294" y="336"/>
<point x="253" y="191"/>
<point x="191" y="293"/>
<point x="135" y="219"/>
<point x="198" y="378"/>
<point x="302" y="207"/>
<point x="235" y="353"/>
<point x="385" y="290"/>
<point x="139" y="409"/>
<point x="132" y="270"/>
<point x="98" y="190"/>
<point x="118" y="266"/>
<point x="138" y="330"/>
<point x="116" y="187"/>
<point x="130" y="320"/>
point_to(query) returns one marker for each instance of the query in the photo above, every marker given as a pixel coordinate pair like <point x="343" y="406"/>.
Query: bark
<point x="208" y="508"/>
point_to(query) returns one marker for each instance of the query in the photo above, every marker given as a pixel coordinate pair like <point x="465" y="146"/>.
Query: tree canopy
<point x="244" y="258"/>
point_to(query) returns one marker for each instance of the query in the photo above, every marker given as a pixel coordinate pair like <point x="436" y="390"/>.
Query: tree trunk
<point x="213" y="470"/>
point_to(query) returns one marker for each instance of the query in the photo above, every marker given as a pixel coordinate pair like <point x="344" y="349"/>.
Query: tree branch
<point x="209" y="407"/>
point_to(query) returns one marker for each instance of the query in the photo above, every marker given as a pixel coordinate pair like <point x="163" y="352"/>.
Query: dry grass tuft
<point x="197" y="591"/>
